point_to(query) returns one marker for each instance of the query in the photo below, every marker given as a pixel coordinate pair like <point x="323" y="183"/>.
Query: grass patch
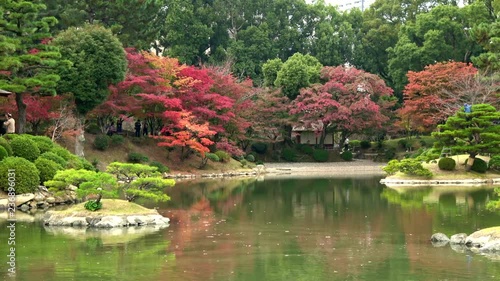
<point x="110" y="207"/>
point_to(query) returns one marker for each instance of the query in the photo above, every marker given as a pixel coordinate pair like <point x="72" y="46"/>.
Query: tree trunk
<point x="21" y="111"/>
<point x="99" y="196"/>
<point x="80" y="138"/>
<point x="470" y="161"/>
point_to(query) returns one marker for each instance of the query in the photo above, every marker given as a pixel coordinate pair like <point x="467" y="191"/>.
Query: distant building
<point x="345" y="5"/>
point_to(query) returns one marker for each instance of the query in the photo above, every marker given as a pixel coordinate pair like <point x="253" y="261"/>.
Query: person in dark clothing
<point x="119" y="126"/>
<point x="138" y="128"/>
<point x="144" y="129"/>
<point x="111" y="129"/>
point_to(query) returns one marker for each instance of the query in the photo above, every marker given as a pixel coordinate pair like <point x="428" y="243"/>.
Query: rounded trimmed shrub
<point x="3" y="153"/>
<point x="62" y="152"/>
<point x="223" y="156"/>
<point x="288" y="154"/>
<point x="494" y="163"/>
<point x="47" y="168"/>
<point x="447" y="164"/>
<point x="27" y="176"/>
<point x="212" y="157"/>
<point x="364" y="144"/>
<point x="259" y="147"/>
<point x="161" y="168"/>
<point x="136" y="157"/>
<point x="101" y="142"/>
<point x="117" y="139"/>
<point x="307" y="149"/>
<point x="5" y="143"/>
<point x="54" y="157"/>
<point x="74" y="163"/>
<point x="320" y="155"/>
<point x="346" y="155"/>
<point x="24" y="147"/>
<point x="44" y="143"/>
<point x="250" y="158"/>
<point x="479" y="166"/>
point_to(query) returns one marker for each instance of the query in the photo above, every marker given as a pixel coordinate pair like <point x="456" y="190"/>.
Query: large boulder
<point x="487" y="239"/>
<point x="439" y="237"/>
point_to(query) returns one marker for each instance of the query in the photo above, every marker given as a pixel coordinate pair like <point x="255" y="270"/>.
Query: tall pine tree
<point x="27" y="62"/>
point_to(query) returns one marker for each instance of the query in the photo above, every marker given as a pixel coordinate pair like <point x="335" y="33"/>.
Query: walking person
<point x="10" y="124"/>
<point x="144" y="128"/>
<point x="138" y="128"/>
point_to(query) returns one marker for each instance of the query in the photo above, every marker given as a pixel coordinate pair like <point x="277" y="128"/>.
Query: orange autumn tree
<point x="187" y="134"/>
<point x="438" y="91"/>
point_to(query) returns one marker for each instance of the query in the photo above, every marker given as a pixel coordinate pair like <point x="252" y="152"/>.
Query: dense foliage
<point x="27" y="176"/>
<point x="447" y="164"/>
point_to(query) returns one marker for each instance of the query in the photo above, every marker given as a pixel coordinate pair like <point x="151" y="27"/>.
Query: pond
<point x="272" y="229"/>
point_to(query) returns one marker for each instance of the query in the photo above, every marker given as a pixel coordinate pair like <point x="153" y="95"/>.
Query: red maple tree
<point x="438" y="91"/>
<point x="349" y="101"/>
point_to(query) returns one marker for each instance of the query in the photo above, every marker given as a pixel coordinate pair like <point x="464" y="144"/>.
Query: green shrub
<point x="429" y="155"/>
<point x="403" y="143"/>
<point x="390" y="153"/>
<point x="259" y="162"/>
<point x="243" y="163"/>
<point x="62" y="152"/>
<point x="24" y="147"/>
<point x="447" y="164"/>
<point x="44" y="143"/>
<point x="117" y="139"/>
<point x="307" y="149"/>
<point x="494" y="163"/>
<point x="47" y="168"/>
<point x="212" y="157"/>
<point x="408" y="166"/>
<point x="289" y="155"/>
<point x="75" y="163"/>
<point x="223" y="156"/>
<point x="93" y="205"/>
<point x="54" y="157"/>
<point x="355" y="143"/>
<point x="10" y="137"/>
<point x="320" y="155"/>
<point x="161" y="168"/>
<point x="101" y="142"/>
<point x="27" y="176"/>
<point x="259" y="147"/>
<point x="3" y="153"/>
<point x="346" y="155"/>
<point x="365" y="144"/>
<point x="93" y="129"/>
<point x="86" y="164"/>
<point x="250" y="158"/>
<point x="479" y="166"/>
<point x="6" y="145"/>
<point x="136" y="157"/>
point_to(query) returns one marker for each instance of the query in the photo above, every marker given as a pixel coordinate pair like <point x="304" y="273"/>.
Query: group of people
<point x="141" y="128"/>
<point x="138" y="130"/>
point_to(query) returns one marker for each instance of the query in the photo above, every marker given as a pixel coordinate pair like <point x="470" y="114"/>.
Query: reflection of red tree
<point x="417" y="227"/>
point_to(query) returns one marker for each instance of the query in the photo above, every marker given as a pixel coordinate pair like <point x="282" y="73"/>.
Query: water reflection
<point x="279" y="229"/>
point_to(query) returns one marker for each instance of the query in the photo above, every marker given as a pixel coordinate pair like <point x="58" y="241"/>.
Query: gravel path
<point x="353" y="168"/>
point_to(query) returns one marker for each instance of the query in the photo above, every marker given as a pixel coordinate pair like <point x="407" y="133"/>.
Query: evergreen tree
<point x="474" y="133"/>
<point x="27" y="61"/>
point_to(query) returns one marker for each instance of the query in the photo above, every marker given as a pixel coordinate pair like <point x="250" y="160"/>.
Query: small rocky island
<point x="114" y="213"/>
<point x="485" y="241"/>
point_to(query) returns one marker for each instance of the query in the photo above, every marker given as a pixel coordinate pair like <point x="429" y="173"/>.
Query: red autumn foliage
<point x="350" y="101"/>
<point x="438" y="91"/>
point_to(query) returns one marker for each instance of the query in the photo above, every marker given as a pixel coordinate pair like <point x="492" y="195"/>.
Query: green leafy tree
<point x="474" y="133"/>
<point x="187" y="32"/>
<point x="99" y="60"/>
<point x="141" y="181"/>
<point x="88" y="182"/>
<point x="297" y="72"/>
<point x="137" y="23"/>
<point x="27" y="62"/>
<point x="270" y="70"/>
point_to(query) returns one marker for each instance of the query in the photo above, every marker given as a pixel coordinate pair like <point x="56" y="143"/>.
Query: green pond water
<point x="271" y="229"/>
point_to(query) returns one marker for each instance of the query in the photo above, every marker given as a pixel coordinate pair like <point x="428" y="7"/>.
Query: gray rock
<point x="458" y="238"/>
<point x="489" y="237"/>
<point x="439" y="237"/>
<point x="39" y="197"/>
<point x="25" y="207"/>
<point x="50" y="200"/>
